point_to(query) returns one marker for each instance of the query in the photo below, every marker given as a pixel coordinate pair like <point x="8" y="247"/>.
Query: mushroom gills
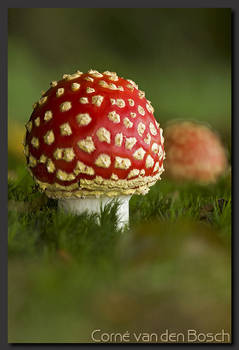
<point x="95" y="205"/>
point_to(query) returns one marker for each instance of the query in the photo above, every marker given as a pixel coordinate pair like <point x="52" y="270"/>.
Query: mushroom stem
<point x="94" y="205"/>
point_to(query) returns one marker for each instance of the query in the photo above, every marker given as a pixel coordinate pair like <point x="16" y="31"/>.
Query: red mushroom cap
<point x="94" y="134"/>
<point x="194" y="152"/>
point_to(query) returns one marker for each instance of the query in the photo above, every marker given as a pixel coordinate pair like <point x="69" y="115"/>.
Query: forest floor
<point x="170" y="269"/>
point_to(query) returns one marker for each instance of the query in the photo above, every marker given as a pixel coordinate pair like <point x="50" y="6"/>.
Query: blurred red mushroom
<point x="194" y="152"/>
<point x="92" y="137"/>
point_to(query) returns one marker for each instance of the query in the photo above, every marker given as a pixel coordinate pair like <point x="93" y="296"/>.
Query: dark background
<point x="180" y="57"/>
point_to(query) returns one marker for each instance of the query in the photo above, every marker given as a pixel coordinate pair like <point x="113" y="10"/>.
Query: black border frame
<point x="233" y="4"/>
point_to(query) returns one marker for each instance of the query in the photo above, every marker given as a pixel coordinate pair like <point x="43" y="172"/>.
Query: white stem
<point x="94" y="205"/>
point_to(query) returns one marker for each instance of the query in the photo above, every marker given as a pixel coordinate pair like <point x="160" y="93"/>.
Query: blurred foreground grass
<point x="70" y="275"/>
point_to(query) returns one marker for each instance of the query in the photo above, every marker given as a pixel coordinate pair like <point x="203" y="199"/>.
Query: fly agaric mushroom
<point x="92" y="137"/>
<point x="194" y="152"/>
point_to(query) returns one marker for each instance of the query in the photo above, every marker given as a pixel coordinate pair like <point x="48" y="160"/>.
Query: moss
<point x="70" y="274"/>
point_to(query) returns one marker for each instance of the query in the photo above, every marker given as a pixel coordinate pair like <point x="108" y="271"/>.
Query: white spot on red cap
<point x="160" y="152"/>
<point x="113" y="78"/>
<point x="120" y="103"/>
<point x="82" y="168"/>
<point x="128" y="123"/>
<point x="149" y="108"/>
<point x="65" y="106"/>
<point x="110" y="74"/>
<point x="114" y="117"/>
<point x="35" y="142"/>
<point x="42" y="100"/>
<point x="118" y="139"/>
<point x="43" y="159"/>
<point x="155" y="147"/>
<point x="68" y="154"/>
<point x="139" y="153"/>
<point x="50" y="166"/>
<point x="37" y="121"/>
<point x="53" y="83"/>
<point x="103" y="161"/>
<point x="152" y="129"/>
<point x="83" y="119"/>
<point x="156" y="167"/>
<point x="86" y="144"/>
<point x="89" y="90"/>
<point x="84" y="100"/>
<point x="141" y="94"/>
<point x="141" y="110"/>
<point x="73" y="76"/>
<point x="75" y="86"/>
<point x="29" y="126"/>
<point x="130" y="87"/>
<point x="58" y="153"/>
<point x="48" y="116"/>
<point x="89" y="79"/>
<point x="149" y="161"/>
<point x="32" y="161"/>
<point x="142" y="172"/>
<point x="49" y="137"/>
<point x="65" y="129"/>
<point x="147" y="139"/>
<point x="133" y="173"/>
<point x="97" y="100"/>
<point x="130" y="142"/>
<point x="132" y="83"/>
<point x="26" y="150"/>
<point x="95" y="73"/>
<point x="112" y="86"/>
<point x="64" y="176"/>
<point x="59" y="92"/>
<point x="114" y="177"/>
<point x="103" y="135"/>
<point x="103" y="83"/>
<point x="161" y="135"/>
<point x="122" y="163"/>
<point x="141" y="128"/>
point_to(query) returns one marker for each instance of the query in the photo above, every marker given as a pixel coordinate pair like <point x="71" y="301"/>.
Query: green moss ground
<point x="70" y="275"/>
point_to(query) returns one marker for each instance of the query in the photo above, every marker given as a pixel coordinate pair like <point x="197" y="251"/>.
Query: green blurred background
<point x="180" y="57"/>
<point x="69" y="275"/>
